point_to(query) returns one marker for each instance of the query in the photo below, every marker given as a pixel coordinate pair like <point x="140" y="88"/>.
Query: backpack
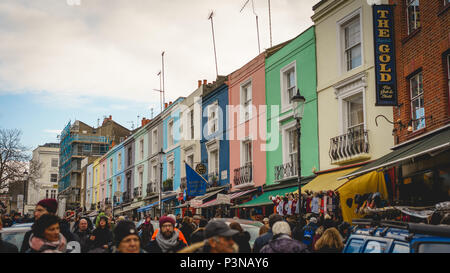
<point x="308" y="236"/>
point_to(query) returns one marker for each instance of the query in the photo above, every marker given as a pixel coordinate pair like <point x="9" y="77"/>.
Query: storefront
<point x="223" y="203"/>
<point x="415" y="174"/>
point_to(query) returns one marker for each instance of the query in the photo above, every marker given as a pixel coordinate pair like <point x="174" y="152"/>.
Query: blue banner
<point x="384" y="47"/>
<point x="195" y="183"/>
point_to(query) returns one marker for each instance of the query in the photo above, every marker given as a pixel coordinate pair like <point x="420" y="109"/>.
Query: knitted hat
<point x="123" y="229"/>
<point x="51" y="205"/>
<point x="166" y="219"/>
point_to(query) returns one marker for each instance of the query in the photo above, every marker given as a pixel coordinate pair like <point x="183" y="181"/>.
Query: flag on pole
<point x="195" y="183"/>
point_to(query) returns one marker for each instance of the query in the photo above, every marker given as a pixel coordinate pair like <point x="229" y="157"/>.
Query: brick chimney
<point x="199" y="83"/>
<point x="205" y="82"/>
<point x="166" y="105"/>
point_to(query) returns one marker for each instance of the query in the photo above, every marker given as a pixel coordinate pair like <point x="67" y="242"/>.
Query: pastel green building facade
<point x="292" y="67"/>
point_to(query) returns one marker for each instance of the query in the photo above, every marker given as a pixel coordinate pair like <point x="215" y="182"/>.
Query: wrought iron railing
<point x="286" y="170"/>
<point x="353" y="143"/>
<point x="243" y="175"/>
<point x="137" y="192"/>
<point x="149" y="190"/>
<point x="126" y="197"/>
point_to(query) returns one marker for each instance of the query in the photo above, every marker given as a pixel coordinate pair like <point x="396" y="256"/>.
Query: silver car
<point x="14" y="234"/>
<point x="248" y="225"/>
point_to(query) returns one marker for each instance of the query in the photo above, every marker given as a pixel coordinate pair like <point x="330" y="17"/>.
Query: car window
<point x="400" y="248"/>
<point x="434" y="248"/>
<point x="14" y="238"/>
<point x="254" y="233"/>
<point x="375" y="247"/>
<point x="354" y="246"/>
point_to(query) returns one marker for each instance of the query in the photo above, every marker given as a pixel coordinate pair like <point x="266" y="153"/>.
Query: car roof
<point x="15" y="229"/>
<point x="240" y="221"/>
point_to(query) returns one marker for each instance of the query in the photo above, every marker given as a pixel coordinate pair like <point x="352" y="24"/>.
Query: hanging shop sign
<point x="384" y="47"/>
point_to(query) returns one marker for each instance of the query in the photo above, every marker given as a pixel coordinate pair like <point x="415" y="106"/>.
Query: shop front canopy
<point x="148" y="207"/>
<point x="327" y="181"/>
<point x="431" y="144"/>
<point x="263" y="199"/>
<point x="232" y="196"/>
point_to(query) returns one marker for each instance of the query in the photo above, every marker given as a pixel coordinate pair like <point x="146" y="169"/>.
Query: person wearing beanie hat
<point x="126" y="238"/>
<point x="101" y="236"/>
<point x="168" y="240"/>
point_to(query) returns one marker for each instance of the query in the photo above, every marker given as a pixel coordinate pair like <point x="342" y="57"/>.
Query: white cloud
<point x="112" y="48"/>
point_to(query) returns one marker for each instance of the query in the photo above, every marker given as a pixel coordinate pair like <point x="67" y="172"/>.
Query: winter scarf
<point x="43" y="246"/>
<point x="167" y="244"/>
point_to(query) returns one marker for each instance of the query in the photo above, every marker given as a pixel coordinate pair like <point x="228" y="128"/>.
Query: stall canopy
<point x="148" y="207"/>
<point x="231" y="196"/>
<point x="327" y="181"/>
<point x="431" y="144"/>
<point x="368" y="183"/>
<point x="263" y="199"/>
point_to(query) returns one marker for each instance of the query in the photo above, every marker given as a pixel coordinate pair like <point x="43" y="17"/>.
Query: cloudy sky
<point x="62" y="60"/>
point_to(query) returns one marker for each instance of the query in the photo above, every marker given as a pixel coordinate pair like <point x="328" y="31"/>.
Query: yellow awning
<point x="327" y="181"/>
<point x="368" y="183"/>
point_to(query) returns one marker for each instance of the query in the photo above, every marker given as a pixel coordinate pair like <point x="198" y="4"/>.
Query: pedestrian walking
<point x="308" y="232"/>
<point x="263" y="230"/>
<point x="282" y="241"/>
<point x="187" y="228"/>
<point x="330" y="242"/>
<point x="168" y="239"/>
<point x="126" y="239"/>
<point x="6" y="247"/>
<point x="84" y="231"/>
<point x="218" y="239"/>
<point x="46" y="236"/>
<point x="147" y="230"/>
<point x="264" y="239"/>
<point x="317" y="235"/>
<point x="242" y="238"/>
<point x="198" y="234"/>
<point x="101" y="237"/>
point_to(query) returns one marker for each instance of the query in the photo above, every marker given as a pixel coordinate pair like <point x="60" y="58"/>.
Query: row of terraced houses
<point x="239" y="132"/>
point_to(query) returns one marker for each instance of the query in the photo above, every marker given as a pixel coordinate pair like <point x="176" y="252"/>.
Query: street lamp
<point x="24" y="193"/>
<point x="298" y="108"/>
<point x="160" y="155"/>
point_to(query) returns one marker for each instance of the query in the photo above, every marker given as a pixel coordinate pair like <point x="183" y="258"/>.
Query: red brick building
<point x="422" y="39"/>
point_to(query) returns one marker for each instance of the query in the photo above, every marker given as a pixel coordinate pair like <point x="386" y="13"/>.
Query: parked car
<point x="370" y="236"/>
<point x="248" y="225"/>
<point x="15" y="233"/>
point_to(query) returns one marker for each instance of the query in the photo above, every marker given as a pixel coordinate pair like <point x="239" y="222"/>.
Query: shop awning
<point x="428" y="145"/>
<point x="327" y="181"/>
<point x="148" y="207"/>
<point x="263" y="199"/>
<point x="231" y="195"/>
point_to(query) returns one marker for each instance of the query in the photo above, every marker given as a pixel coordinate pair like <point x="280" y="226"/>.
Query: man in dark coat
<point x="187" y="228"/>
<point x="198" y="235"/>
<point x="102" y="237"/>
<point x="168" y="239"/>
<point x="84" y="231"/>
<point x="282" y="241"/>
<point x="264" y="239"/>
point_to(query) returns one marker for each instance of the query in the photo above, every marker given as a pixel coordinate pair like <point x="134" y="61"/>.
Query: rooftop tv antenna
<point x="270" y="24"/>
<point x="210" y="17"/>
<point x="161" y="92"/>
<point x="132" y="124"/>
<point x="256" y="15"/>
<point x="163" y="89"/>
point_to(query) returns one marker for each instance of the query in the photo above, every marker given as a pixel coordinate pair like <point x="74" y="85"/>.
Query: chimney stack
<point x="205" y="82"/>
<point x="165" y="105"/>
<point x="199" y="83"/>
<point x="110" y="117"/>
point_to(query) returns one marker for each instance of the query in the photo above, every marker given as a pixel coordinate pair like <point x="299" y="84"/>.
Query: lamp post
<point x="298" y="108"/>
<point x="160" y="155"/>
<point x="24" y="193"/>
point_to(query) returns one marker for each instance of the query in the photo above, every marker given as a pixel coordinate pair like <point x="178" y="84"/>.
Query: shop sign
<point x="195" y="203"/>
<point x="200" y="168"/>
<point x="223" y="198"/>
<point x="384" y="47"/>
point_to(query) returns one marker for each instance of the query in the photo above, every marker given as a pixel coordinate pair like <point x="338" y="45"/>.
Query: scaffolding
<point x="75" y="147"/>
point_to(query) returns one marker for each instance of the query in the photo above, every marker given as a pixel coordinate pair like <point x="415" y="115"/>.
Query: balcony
<point x="126" y="197"/>
<point x="213" y="179"/>
<point x="352" y="146"/>
<point x="149" y="190"/>
<point x="285" y="171"/>
<point x="137" y="192"/>
<point x="243" y="175"/>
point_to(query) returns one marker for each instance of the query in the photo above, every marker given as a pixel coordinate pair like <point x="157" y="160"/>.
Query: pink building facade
<point x="247" y="125"/>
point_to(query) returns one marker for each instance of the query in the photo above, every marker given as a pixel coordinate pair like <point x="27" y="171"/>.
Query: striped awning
<point x="234" y="195"/>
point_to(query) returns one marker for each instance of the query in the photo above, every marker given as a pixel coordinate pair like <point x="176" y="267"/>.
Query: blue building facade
<point x="214" y="143"/>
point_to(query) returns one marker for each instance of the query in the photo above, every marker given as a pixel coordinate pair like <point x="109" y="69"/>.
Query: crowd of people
<point x="280" y="233"/>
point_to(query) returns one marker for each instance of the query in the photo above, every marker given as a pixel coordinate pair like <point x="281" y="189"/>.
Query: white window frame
<point x="111" y="166"/>
<point x="51" y="177"/>
<point x="408" y="4"/>
<point x="155" y="141"/>
<point x="213" y="123"/>
<point x="246" y="106"/>
<point x="141" y="149"/>
<point x="119" y="162"/>
<point x="54" y="160"/>
<point x="345" y="111"/>
<point x="191" y="125"/>
<point x="213" y="146"/>
<point x="141" y="182"/>
<point x="243" y="151"/>
<point x="285" y="104"/>
<point x="285" y="129"/>
<point x="170" y="124"/>
<point x="341" y="40"/>
<point x="417" y="97"/>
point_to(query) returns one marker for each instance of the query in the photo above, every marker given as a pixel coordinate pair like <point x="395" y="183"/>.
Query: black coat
<point x="284" y="245"/>
<point x="187" y="230"/>
<point x="85" y="242"/>
<point x="6" y="247"/>
<point x="147" y="232"/>
<point x="197" y="236"/>
<point x="242" y="240"/>
<point x="262" y="240"/>
<point x="103" y="236"/>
